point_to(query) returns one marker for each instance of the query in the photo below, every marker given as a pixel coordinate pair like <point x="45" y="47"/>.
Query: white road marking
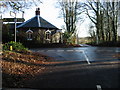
<point x="60" y="50"/>
<point x="50" y="50"/>
<point x="69" y="50"/>
<point x="79" y="50"/>
<point x="98" y="87"/>
<point x="86" y="57"/>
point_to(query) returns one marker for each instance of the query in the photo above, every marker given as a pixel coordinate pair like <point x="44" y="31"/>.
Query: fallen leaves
<point x="18" y="66"/>
<point x="117" y="55"/>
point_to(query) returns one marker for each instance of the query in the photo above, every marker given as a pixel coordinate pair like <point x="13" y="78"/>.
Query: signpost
<point x="14" y="21"/>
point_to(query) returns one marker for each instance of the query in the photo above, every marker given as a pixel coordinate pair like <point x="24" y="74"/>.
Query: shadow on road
<point x="77" y="75"/>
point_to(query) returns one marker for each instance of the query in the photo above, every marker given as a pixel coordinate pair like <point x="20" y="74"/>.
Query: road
<point x="85" y="67"/>
<point x="88" y="54"/>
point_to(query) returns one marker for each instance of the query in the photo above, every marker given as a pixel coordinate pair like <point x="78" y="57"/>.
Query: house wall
<point x="56" y="38"/>
<point x="38" y="36"/>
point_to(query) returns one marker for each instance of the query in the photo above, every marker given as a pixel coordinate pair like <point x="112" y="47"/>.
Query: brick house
<point x="38" y="30"/>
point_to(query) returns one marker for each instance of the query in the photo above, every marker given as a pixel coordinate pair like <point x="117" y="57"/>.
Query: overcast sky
<point x="50" y="13"/>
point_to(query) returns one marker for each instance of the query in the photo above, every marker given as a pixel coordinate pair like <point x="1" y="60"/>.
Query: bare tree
<point x="105" y="18"/>
<point x="18" y="5"/>
<point x="92" y="32"/>
<point x="70" y="12"/>
<point x="111" y="19"/>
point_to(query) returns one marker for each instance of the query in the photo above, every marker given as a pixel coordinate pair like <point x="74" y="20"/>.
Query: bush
<point x="17" y="46"/>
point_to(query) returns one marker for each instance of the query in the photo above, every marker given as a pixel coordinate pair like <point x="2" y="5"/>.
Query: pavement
<point x="84" y="67"/>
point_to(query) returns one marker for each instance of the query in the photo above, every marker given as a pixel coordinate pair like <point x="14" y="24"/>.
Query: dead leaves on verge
<point x="20" y="66"/>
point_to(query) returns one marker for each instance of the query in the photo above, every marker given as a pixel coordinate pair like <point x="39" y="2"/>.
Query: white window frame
<point x="29" y="34"/>
<point x="48" y="34"/>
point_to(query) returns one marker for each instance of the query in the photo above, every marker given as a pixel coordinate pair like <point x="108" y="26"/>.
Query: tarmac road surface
<point x="101" y="69"/>
<point x="88" y="54"/>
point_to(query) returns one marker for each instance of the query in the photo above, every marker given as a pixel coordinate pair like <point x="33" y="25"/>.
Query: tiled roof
<point x="37" y="22"/>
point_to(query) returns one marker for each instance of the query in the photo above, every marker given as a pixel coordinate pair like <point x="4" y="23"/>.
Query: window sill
<point x="29" y="39"/>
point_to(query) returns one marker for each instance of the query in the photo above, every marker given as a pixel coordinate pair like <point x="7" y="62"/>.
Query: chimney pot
<point x="37" y="12"/>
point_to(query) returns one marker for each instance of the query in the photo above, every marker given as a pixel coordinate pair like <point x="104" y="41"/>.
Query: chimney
<point x="37" y="12"/>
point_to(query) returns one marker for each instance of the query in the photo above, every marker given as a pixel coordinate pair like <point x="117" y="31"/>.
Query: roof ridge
<point x="39" y="24"/>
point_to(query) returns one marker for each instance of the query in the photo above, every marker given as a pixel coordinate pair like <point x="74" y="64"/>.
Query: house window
<point x="29" y="34"/>
<point x="48" y="34"/>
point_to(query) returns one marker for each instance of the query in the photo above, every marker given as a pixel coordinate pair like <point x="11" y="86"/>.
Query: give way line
<point x="86" y="57"/>
<point x="82" y="51"/>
